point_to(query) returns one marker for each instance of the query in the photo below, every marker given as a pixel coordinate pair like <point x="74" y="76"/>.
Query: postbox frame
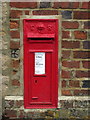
<point x="58" y="17"/>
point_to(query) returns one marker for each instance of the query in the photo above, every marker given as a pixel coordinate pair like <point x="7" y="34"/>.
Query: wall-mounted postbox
<point x="40" y="63"/>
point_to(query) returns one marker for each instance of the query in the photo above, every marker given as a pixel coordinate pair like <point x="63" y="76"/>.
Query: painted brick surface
<point x="74" y="59"/>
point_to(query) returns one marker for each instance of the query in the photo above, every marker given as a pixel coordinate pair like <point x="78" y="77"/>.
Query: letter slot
<point x="40" y="63"/>
<point x="40" y="37"/>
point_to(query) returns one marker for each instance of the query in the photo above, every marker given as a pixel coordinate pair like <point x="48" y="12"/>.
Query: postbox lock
<point x="36" y="81"/>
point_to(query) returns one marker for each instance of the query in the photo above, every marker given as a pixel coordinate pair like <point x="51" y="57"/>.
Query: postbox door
<point x="41" y="82"/>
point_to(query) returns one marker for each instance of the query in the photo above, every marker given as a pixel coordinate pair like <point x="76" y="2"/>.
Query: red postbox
<point x="40" y="63"/>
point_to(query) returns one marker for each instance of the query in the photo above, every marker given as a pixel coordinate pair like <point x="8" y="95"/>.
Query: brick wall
<point x="74" y="61"/>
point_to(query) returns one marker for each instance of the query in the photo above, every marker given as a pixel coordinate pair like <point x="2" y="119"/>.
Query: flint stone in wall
<point x="4" y="11"/>
<point x="16" y="76"/>
<point x="79" y="113"/>
<point x="5" y="62"/>
<point x="5" y="82"/>
<point x="16" y="91"/>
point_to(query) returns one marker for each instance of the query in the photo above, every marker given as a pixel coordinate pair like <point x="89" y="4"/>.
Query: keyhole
<point x="35" y="81"/>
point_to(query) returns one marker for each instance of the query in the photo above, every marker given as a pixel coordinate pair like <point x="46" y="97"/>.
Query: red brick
<point x="19" y="103"/>
<point x="80" y="34"/>
<point x="81" y="74"/>
<point x="15" y="83"/>
<point x="75" y="5"/>
<point x="15" y="63"/>
<point x="85" y="5"/>
<point x="86" y="64"/>
<point x="15" y="34"/>
<point x="61" y="5"/>
<point x="26" y="12"/>
<point x="66" y="92"/>
<point x="64" y="83"/>
<point x="66" y="5"/>
<point x="14" y="24"/>
<point x="70" y="44"/>
<point x="70" y="25"/>
<point x="73" y="83"/>
<point x="65" y="74"/>
<point x="45" y="12"/>
<point x="81" y="92"/>
<point x="23" y="4"/>
<point x="10" y="113"/>
<point x="66" y="54"/>
<point x="15" y="13"/>
<point x="81" y="54"/>
<point x="71" y="64"/>
<point x="14" y="45"/>
<point x="65" y="34"/>
<point x="81" y="15"/>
